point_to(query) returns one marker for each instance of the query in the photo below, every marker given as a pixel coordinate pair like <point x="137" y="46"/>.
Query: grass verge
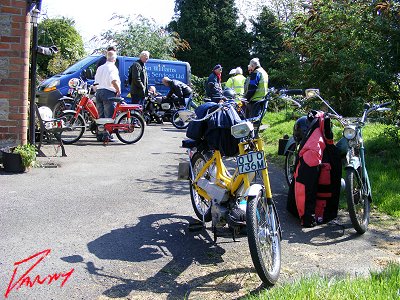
<point x="382" y="285"/>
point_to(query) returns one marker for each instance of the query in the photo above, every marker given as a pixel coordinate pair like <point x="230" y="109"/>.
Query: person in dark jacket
<point x="213" y="86"/>
<point x="177" y="88"/>
<point x="138" y="78"/>
<point x="103" y="59"/>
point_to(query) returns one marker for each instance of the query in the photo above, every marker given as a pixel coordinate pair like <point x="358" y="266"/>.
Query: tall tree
<point x="61" y="33"/>
<point x="214" y="33"/>
<point x="267" y="41"/>
<point x="346" y="49"/>
<point x="136" y="35"/>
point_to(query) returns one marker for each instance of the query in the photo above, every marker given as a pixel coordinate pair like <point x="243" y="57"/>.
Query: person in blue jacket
<point x="213" y="85"/>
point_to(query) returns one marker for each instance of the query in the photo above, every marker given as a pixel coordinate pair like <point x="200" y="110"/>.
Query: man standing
<point x="109" y="85"/>
<point x="213" y="86"/>
<point x="103" y="59"/>
<point x="138" y="78"/>
<point x="257" y="89"/>
<point x="237" y="82"/>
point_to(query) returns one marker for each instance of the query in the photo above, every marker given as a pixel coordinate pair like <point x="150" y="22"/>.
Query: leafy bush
<point x="28" y="154"/>
<point x="198" y="86"/>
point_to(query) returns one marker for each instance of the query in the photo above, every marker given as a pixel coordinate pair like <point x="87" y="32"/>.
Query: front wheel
<point x="75" y="128"/>
<point x="201" y="206"/>
<point x="357" y="201"/>
<point x="135" y="131"/>
<point x="264" y="238"/>
<point x="178" y="122"/>
<point x="290" y="160"/>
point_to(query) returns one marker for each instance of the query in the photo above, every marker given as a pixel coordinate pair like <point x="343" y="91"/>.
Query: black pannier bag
<point x="196" y="130"/>
<point x="216" y="130"/>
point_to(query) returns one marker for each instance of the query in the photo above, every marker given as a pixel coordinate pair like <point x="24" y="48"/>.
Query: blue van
<point x="52" y="89"/>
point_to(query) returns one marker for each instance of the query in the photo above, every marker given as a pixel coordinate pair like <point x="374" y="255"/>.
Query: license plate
<point x="251" y="162"/>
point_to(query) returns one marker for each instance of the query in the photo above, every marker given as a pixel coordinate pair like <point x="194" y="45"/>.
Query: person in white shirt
<point x="109" y="85"/>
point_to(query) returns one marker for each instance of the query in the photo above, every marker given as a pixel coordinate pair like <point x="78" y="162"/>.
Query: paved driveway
<point x="118" y="217"/>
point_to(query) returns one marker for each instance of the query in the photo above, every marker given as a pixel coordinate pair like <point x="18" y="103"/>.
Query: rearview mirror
<point x="311" y="93"/>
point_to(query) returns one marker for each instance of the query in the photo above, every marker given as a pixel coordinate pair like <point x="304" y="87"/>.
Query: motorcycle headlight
<point x="349" y="132"/>
<point x="242" y="130"/>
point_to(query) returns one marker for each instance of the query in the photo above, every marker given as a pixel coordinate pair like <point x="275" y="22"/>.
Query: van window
<point x="78" y="66"/>
<point x="90" y="71"/>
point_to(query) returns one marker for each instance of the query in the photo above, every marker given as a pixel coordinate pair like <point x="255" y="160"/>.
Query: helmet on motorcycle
<point x="300" y="128"/>
<point x="229" y="94"/>
<point x="73" y="83"/>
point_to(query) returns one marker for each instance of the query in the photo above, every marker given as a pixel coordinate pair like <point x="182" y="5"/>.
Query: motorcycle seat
<point x="117" y="99"/>
<point x="103" y="121"/>
<point x="189" y="143"/>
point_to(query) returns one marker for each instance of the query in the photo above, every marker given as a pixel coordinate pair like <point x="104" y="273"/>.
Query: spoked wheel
<point x="75" y="128"/>
<point x="290" y="161"/>
<point x="58" y="109"/>
<point x="357" y="202"/>
<point x="201" y="206"/>
<point x="264" y="238"/>
<point x="135" y="131"/>
<point x="178" y="122"/>
<point x="147" y="118"/>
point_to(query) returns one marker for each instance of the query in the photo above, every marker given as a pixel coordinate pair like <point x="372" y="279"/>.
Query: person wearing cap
<point x="179" y="89"/>
<point x="137" y="78"/>
<point x="236" y="82"/>
<point x="109" y="85"/>
<point x="103" y="59"/>
<point x="257" y="89"/>
<point x="213" y="85"/>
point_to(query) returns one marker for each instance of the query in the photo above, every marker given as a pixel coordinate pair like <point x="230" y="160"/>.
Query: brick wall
<point x="14" y="72"/>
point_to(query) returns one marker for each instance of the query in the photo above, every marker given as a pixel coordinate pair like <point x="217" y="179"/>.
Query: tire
<point x="261" y="218"/>
<point x="290" y="160"/>
<point x="178" y="122"/>
<point x="58" y="109"/>
<point x="147" y="118"/>
<point x="358" y="203"/>
<point x="77" y="128"/>
<point x="134" y="135"/>
<point x="201" y="206"/>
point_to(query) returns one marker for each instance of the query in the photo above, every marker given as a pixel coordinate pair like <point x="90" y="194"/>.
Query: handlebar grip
<point x="385" y="104"/>
<point x="291" y="92"/>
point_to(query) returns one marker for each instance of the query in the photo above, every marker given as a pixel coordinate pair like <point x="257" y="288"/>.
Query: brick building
<point x="14" y="71"/>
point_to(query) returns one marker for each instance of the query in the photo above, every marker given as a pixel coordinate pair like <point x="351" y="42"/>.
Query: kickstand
<point x="214" y="229"/>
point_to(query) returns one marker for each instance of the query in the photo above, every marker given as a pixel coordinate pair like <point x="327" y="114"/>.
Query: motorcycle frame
<point x="233" y="183"/>
<point x="354" y="162"/>
<point x="87" y="103"/>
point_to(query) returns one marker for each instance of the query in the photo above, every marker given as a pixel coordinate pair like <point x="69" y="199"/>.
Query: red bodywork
<point x="88" y="104"/>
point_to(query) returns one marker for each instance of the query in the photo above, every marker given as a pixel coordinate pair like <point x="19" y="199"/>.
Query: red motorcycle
<point x="127" y="122"/>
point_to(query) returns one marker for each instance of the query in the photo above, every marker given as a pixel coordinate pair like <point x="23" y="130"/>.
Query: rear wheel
<point x="290" y="161"/>
<point x="264" y="238"/>
<point x="201" y="206"/>
<point x="178" y="122"/>
<point x="75" y="128"/>
<point x="58" y="109"/>
<point x="357" y="202"/>
<point x="136" y="128"/>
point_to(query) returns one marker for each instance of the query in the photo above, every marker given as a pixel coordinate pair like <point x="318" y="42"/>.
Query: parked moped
<point x="127" y="122"/>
